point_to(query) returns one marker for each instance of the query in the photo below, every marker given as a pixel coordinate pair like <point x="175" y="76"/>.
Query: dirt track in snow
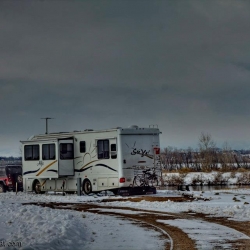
<point x="175" y="238"/>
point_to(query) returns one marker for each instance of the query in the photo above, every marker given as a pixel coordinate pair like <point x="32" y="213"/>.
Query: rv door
<point x="66" y="157"/>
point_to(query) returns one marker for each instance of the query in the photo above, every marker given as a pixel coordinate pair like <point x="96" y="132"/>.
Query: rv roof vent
<point x="88" y="129"/>
<point x="134" y="126"/>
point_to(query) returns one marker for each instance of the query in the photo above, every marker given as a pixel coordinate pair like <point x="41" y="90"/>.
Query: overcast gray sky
<point x="183" y="65"/>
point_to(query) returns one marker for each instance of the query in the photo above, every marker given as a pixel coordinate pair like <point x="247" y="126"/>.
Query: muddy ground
<point x="175" y="238"/>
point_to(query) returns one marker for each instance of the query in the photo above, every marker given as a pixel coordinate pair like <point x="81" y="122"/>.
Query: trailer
<point x="96" y="160"/>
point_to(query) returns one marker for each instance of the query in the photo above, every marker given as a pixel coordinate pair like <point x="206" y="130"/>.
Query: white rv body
<point x="107" y="159"/>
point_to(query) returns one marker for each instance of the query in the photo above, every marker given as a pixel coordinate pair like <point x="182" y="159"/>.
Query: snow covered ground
<point x="45" y="228"/>
<point x="233" y="203"/>
<point x="230" y="178"/>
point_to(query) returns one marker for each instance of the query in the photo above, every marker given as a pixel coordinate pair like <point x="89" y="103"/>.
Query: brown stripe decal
<point x="88" y="164"/>
<point x="46" y="168"/>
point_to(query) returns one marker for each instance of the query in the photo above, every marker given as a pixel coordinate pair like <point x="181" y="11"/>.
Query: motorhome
<point x="101" y="160"/>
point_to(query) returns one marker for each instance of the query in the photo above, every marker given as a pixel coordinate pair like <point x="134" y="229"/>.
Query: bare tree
<point x="207" y="152"/>
<point x="206" y="142"/>
<point x="226" y="157"/>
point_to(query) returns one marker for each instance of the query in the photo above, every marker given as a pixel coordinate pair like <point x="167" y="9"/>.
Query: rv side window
<point x="113" y="151"/>
<point x="48" y="152"/>
<point x="103" y="149"/>
<point x="31" y="152"/>
<point x="66" y="151"/>
<point x="82" y="147"/>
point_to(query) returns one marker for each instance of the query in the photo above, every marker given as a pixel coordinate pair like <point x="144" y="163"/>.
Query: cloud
<point x="181" y="65"/>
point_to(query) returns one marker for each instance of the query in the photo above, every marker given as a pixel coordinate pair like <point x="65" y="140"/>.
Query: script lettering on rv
<point x="140" y="152"/>
<point x="41" y="163"/>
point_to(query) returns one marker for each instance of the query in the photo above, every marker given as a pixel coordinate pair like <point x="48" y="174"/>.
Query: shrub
<point x="197" y="180"/>
<point x="175" y="179"/>
<point x="219" y="179"/>
<point x="244" y="178"/>
<point x="232" y="175"/>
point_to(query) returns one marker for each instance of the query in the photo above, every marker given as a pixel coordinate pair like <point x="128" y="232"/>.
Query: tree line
<point x="206" y="158"/>
<point x="10" y="158"/>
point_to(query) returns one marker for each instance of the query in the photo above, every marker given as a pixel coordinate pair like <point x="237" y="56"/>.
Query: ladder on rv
<point x="157" y="159"/>
<point x="158" y="165"/>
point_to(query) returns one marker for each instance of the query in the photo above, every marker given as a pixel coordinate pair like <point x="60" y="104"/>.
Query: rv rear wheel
<point x="86" y="186"/>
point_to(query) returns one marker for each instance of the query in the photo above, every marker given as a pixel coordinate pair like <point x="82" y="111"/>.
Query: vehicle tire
<point x="37" y="187"/>
<point x="2" y="188"/>
<point x="87" y="187"/>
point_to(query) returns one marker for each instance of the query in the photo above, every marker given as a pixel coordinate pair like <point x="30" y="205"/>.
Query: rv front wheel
<point x="37" y="187"/>
<point x="87" y="188"/>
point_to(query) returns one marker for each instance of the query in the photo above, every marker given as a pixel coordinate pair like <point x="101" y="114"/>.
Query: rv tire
<point x="87" y="187"/>
<point x="37" y="187"/>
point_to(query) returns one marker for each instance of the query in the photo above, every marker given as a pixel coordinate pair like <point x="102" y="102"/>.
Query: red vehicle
<point x="10" y="176"/>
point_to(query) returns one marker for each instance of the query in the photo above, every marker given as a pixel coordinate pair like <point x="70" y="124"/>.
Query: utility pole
<point x="47" y="118"/>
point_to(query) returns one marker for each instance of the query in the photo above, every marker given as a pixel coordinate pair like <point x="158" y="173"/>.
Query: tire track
<point x="174" y="236"/>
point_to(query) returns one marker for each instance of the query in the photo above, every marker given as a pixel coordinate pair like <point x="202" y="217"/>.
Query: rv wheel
<point x="87" y="188"/>
<point x="37" y="187"/>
